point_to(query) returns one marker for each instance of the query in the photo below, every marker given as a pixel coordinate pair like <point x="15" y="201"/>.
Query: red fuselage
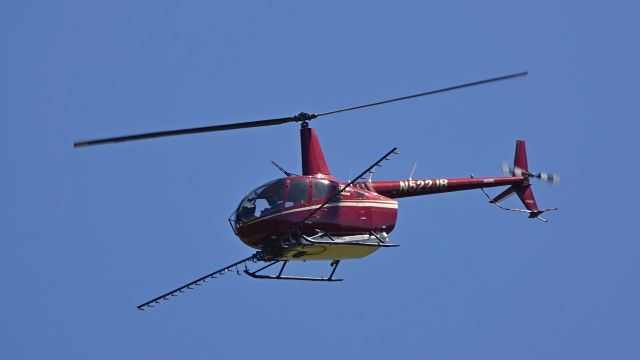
<point x="272" y="216"/>
<point x="363" y="208"/>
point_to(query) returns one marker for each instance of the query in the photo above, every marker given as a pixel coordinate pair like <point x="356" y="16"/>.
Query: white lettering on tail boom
<point x="411" y="186"/>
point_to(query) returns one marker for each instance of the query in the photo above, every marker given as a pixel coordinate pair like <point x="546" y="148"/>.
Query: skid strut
<point x="255" y="275"/>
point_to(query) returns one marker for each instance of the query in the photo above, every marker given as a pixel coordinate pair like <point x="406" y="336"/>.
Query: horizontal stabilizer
<point x="503" y="195"/>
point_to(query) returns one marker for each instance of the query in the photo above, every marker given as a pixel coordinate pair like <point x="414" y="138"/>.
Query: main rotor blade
<point x="197" y="130"/>
<point x="302" y="117"/>
<point x="450" y="88"/>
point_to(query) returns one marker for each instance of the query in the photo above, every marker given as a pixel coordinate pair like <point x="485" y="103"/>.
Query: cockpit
<point x="279" y="194"/>
<point x="261" y="201"/>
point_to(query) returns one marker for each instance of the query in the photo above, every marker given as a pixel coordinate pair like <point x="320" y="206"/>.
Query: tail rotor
<point x="512" y="170"/>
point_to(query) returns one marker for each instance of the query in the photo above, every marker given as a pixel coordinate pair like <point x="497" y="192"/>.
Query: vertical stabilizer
<point x="313" y="162"/>
<point x="521" y="168"/>
<point x="520" y="160"/>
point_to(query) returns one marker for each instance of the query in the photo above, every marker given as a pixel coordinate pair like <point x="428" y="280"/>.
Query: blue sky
<point x="89" y="234"/>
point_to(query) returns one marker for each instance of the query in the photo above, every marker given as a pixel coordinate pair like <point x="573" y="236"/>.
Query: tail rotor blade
<point x="550" y="178"/>
<point x="507" y="169"/>
<point x="517" y="171"/>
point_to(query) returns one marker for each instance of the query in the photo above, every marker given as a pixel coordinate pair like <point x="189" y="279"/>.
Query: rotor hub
<point x="304" y="119"/>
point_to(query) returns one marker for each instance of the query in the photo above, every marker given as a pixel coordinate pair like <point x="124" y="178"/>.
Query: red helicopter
<point x="314" y="216"/>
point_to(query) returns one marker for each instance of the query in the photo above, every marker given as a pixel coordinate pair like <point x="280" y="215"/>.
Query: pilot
<point x="273" y="204"/>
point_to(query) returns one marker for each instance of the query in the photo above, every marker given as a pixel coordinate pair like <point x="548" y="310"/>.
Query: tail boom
<point x="518" y="182"/>
<point x="405" y="188"/>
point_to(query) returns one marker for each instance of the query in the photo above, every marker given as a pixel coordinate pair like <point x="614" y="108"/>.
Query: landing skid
<point x="255" y="275"/>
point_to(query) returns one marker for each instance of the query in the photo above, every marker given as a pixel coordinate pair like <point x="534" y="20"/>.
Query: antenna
<point x="412" y="170"/>
<point x="283" y="170"/>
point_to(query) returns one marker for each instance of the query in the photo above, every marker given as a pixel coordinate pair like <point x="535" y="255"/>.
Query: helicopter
<point x="314" y="216"/>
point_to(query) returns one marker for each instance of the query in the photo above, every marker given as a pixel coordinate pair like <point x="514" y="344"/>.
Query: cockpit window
<point x="323" y="189"/>
<point x="262" y="201"/>
<point x="297" y="193"/>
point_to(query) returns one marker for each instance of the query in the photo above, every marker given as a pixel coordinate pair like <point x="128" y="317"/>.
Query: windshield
<point x="264" y="200"/>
